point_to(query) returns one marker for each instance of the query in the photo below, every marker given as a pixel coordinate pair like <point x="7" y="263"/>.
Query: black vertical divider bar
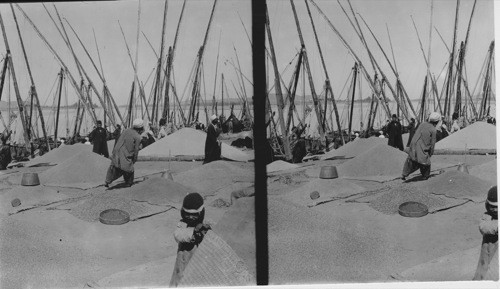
<point x="259" y="133"/>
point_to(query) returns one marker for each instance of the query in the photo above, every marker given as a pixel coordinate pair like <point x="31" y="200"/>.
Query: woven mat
<point x="388" y="203"/>
<point x="89" y="210"/>
<point x="216" y="264"/>
<point x="328" y="189"/>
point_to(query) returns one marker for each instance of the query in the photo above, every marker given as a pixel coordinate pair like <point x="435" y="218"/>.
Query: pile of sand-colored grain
<point x="189" y="142"/>
<point x="61" y="154"/>
<point x="381" y="160"/>
<point x="215" y="264"/>
<point x="307" y="246"/>
<point x="208" y="178"/>
<point x="83" y="170"/>
<point x="477" y="136"/>
<point x="158" y="191"/>
<point x="354" y="148"/>
<point x="237" y="228"/>
<point x="29" y="197"/>
<point x="389" y="202"/>
<point x="486" y="171"/>
<point x="328" y="189"/>
<point x="280" y="165"/>
<point x="455" y="184"/>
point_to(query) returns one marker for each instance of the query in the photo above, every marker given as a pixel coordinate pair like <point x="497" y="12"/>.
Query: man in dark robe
<point x="125" y="154"/>
<point x="394" y="131"/>
<point x="5" y="154"/>
<point x="212" y="145"/>
<point x="99" y="138"/>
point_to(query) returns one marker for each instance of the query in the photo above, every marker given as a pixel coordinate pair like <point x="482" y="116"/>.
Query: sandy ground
<point x="47" y="247"/>
<point x="348" y="241"/>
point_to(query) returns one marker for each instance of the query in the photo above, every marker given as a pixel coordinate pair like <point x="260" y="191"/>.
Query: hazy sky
<point x="378" y="13"/>
<point x="103" y="17"/>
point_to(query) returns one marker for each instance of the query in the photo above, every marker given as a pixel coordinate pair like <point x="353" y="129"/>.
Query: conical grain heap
<point x="61" y="154"/>
<point x="381" y="160"/>
<point x="85" y="167"/>
<point x="477" y="136"/>
<point x="354" y="148"/>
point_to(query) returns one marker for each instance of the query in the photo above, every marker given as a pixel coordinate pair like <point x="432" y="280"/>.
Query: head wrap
<point x="138" y="123"/>
<point x="434" y="117"/>
<point x="193" y="203"/>
<point x="213" y="117"/>
<point x="492" y="196"/>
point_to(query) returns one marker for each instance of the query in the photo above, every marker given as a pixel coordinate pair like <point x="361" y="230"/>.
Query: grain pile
<point x="237" y="228"/>
<point x="84" y="170"/>
<point x="89" y="210"/>
<point x="207" y="179"/>
<point x="60" y="154"/>
<point x="280" y="165"/>
<point x="381" y="160"/>
<point x="354" y="148"/>
<point x="389" y="202"/>
<point x="455" y="184"/>
<point x="215" y="264"/>
<point x="29" y="197"/>
<point x="157" y="191"/>
<point x="477" y="136"/>
<point x="188" y="142"/>
<point x="328" y="189"/>
<point x="486" y="171"/>
<point x="307" y="246"/>
<point x="286" y="183"/>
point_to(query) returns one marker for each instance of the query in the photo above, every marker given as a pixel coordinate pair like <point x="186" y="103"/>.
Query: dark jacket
<point x="99" y="138"/>
<point x="394" y="130"/>
<point x="212" y="147"/>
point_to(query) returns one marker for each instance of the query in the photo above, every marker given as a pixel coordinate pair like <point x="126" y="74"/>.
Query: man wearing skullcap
<point x="422" y="148"/>
<point x="99" y="138"/>
<point x="212" y="145"/>
<point x="125" y="154"/>
<point x="189" y="233"/>
<point x="487" y="267"/>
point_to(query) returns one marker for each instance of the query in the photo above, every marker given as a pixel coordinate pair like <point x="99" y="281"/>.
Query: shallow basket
<point x="30" y="179"/>
<point x="328" y="172"/>
<point x="114" y="217"/>
<point x="413" y="209"/>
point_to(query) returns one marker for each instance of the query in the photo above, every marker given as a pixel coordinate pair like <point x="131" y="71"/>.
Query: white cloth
<point x="138" y="123"/>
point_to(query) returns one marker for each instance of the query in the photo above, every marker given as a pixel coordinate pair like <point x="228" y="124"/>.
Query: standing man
<point x="212" y="145"/>
<point x="394" y="130"/>
<point x="5" y="154"/>
<point x="99" y="138"/>
<point x="125" y="154"/>
<point x="422" y="148"/>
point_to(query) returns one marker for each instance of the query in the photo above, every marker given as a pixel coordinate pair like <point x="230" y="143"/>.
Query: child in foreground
<point x="189" y="233"/>
<point x="487" y="267"/>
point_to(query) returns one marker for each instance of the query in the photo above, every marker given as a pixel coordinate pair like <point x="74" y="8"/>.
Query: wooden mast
<point x="195" y="91"/>
<point x="355" y="72"/>
<point x="99" y="73"/>
<point x="158" y="88"/>
<point x="279" y="95"/>
<point x="73" y="82"/>
<point x="33" y="88"/>
<point x="170" y="62"/>
<point x="61" y="77"/>
<point x="20" y="103"/>
<point x="327" y="81"/>
<point x="449" y="83"/>
<point x="317" y="104"/>
<point x="360" y="65"/>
